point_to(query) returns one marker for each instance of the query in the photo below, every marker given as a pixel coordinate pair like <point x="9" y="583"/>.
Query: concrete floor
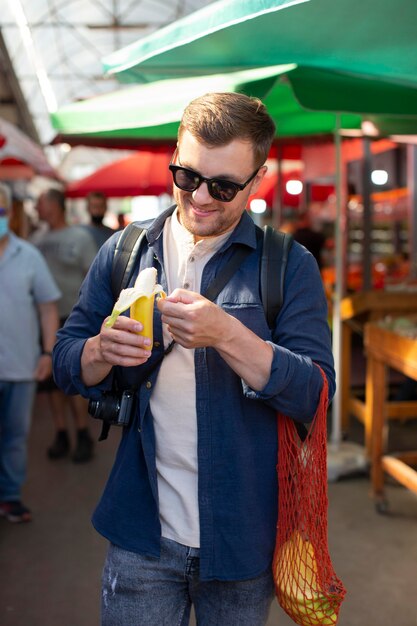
<point x="50" y="569"/>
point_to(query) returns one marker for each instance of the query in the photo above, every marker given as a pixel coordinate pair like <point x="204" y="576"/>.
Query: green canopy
<point x="374" y="38"/>
<point x="152" y="111"/>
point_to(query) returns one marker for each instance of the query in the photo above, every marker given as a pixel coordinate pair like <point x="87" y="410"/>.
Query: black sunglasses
<point x="218" y="188"/>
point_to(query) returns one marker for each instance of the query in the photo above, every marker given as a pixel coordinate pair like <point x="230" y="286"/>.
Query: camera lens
<point x="93" y="407"/>
<point x="106" y="408"/>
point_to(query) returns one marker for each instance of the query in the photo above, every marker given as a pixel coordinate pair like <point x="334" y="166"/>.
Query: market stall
<point x="393" y="343"/>
<point x="356" y="310"/>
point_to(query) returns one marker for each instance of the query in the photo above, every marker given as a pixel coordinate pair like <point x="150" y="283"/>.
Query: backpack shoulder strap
<point x="276" y="247"/>
<point x="125" y="256"/>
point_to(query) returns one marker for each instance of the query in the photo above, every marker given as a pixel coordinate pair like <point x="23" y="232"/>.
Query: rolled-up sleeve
<point x="301" y="341"/>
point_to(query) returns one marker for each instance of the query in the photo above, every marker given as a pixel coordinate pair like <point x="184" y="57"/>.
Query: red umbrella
<point x="20" y="156"/>
<point x="141" y="174"/>
<point x="15" y="169"/>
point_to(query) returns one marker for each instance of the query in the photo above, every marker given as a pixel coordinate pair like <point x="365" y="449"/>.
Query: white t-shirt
<point x="173" y="403"/>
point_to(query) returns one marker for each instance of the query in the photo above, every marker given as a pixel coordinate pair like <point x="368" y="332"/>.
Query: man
<point x="28" y="299"/>
<point x="190" y="508"/>
<point x="97" y="208"/>
<point x="69" y="252"/>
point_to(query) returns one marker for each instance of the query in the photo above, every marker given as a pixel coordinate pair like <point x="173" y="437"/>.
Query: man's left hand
<point x="193" y="321"/>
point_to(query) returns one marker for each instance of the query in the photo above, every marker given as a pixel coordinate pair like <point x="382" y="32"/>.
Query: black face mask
<point x="97" y="220"/>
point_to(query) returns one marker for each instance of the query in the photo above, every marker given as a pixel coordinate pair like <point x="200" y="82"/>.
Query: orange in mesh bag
<point x="306" y="584"/>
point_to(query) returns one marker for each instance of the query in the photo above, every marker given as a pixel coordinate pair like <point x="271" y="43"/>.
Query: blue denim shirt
<point x="237" y="426"/>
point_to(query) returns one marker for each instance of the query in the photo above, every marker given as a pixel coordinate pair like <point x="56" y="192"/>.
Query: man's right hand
<point x="119" y="345"/>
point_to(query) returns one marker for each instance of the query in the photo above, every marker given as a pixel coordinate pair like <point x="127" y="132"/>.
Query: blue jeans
<point x="146" y="591"/>
<point x="16" y="400"/>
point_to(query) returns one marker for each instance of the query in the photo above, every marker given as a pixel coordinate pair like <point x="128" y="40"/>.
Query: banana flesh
<point x="140" y="300"/>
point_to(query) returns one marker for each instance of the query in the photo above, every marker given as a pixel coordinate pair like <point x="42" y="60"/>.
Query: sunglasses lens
<point x="186" y="180"/>
<point x="219" y="189"/>
<point x="223" y="190"/>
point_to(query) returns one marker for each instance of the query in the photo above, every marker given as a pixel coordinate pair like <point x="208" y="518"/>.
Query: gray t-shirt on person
<point x="69" y="253"/>
<point x="25" y="281"/>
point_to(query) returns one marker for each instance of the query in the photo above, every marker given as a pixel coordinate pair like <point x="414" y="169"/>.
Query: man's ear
<point x="258" y="179"/>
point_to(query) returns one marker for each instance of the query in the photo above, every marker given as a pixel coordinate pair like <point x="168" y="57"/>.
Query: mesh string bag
<point x="306" y="585"/>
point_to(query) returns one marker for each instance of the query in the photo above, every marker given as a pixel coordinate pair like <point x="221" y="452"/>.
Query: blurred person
<point x="69" y="252"/>
<point x="310" y="238"/>
<point x="97" y="209"/>
<point x="190" y="507"/>
<point x="121" y="221"/>
<point x="29" y="317"/>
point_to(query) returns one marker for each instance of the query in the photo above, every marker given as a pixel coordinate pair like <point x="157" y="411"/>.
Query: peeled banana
<point x="299" y="591"/>
<point x="140" y="300"/>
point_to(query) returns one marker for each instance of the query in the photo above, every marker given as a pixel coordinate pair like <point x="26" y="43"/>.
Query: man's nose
<point x="201" y="194"/>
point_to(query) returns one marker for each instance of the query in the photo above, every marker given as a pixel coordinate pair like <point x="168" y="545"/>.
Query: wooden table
<point x="357" y="310"/>
<point x="387" y="348"/>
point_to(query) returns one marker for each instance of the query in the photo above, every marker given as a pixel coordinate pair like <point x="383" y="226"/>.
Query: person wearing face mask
<point x="97" y="208"/>
<point x="29" y="312"/>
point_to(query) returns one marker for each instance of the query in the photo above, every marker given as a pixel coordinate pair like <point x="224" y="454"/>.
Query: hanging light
<point x="379" y="177"/>
<point x="258" y="205"/>
<point x="294" y="187"/>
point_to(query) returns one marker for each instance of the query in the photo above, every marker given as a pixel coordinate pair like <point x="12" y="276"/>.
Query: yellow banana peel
<point x="140" y="300"/>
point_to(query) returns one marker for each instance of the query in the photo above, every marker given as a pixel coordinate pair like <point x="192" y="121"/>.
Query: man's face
<point x="96" y="207"/>
<point x="45" y="208"/>
<point x="199" y="213"/>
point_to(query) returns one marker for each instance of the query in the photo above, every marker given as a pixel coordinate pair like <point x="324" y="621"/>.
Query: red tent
<point x="268" y="189"/>
<point x="20" y="156"/>
<point x="141" y="174"/>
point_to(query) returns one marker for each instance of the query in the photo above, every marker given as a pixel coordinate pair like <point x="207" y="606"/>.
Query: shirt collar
<point x="186" y="240"/>
<point x="244" y="233"/>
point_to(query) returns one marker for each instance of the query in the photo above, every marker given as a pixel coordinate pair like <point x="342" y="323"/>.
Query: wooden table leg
<point x="375" y="421"/>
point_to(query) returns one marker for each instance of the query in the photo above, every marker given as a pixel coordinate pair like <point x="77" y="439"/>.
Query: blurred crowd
<point x="42" y="266"/>
<point x="41" y="271"/>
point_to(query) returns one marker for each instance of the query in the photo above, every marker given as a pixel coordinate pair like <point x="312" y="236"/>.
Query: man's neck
<point x="58" y="224"/>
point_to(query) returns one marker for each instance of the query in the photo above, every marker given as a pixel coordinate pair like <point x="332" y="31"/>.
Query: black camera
<point x="113" y="408"/>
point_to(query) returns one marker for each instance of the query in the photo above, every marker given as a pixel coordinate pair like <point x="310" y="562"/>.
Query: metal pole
<point x="367" y="215"/>
<point x="412" y="186"/>
<point x="339" y="226"/>
<point x="277" y="197"/>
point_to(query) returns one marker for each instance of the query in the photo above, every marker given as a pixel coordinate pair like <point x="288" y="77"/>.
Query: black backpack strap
<point x="276" y="247"/>
<point x="125" y="256"/>
<point x="227" y="272"/>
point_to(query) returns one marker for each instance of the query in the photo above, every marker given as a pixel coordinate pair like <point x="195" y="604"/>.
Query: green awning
<point x="301" y="102"/>
<point x="373" y="38"/>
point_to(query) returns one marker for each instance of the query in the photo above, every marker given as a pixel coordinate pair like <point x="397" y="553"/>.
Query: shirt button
<point x="186" y="285"/>
<point x="156" y="344"/>
<point x="148" y="384"/>
<point x="191" y="259"/>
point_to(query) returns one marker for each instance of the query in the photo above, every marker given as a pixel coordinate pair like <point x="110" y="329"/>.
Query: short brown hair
<point x="57" y="197"/>
<point x="216" y="119"/>
<point x="97" y="194"/>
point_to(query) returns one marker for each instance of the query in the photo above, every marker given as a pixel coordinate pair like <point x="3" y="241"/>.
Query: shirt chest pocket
<point x="246" y="306"/>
